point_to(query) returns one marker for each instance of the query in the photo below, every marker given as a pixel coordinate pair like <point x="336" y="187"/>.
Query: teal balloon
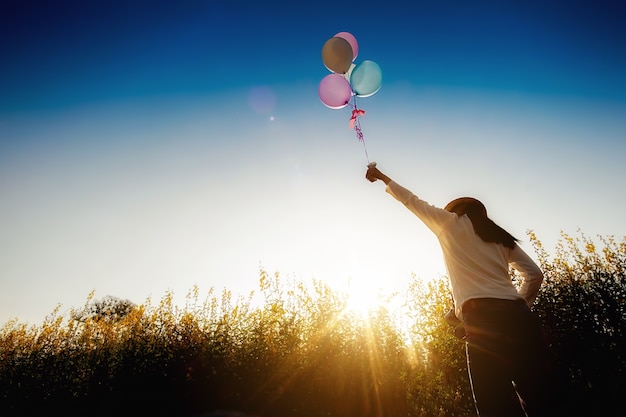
<point x="366" y="78"/>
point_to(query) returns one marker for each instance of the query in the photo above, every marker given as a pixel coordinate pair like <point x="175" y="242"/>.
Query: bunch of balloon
<point x="348" y="80"/>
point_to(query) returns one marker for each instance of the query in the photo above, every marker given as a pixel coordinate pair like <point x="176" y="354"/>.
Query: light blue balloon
<point x="366" y="78"/>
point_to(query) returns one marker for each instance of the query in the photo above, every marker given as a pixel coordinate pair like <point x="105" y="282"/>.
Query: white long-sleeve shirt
<point x="476" y="269"/>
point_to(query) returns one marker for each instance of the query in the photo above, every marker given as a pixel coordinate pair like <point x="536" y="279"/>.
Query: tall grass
<point x="302" y="352"/>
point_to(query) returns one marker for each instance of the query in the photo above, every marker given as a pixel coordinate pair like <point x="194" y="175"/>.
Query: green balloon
<point x="366" y="78"/>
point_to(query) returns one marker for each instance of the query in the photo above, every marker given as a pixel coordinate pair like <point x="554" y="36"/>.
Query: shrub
<point x="583" y="307"/>
<point x="302" y="352"/>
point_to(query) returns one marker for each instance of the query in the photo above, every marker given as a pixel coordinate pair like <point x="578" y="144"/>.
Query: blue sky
<point x="148" y="146"/>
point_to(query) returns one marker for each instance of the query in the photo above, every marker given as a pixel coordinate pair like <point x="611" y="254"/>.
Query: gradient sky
<point x="147" y="146"/>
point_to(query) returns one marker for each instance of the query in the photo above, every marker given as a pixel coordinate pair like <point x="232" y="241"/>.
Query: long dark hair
<point x="483" y="225"/>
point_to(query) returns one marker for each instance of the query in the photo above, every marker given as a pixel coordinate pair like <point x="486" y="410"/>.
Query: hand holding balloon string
<point x="374" y="174"/>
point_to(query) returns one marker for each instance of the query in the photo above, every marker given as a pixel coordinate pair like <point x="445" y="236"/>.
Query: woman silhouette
<point x="506" y="351"/>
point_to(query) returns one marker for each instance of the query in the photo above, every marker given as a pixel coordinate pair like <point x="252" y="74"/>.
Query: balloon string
<point x="359" y="134"/>
<point x="355" y="123"/>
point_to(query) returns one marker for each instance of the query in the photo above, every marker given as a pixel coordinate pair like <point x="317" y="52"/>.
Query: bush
<point x="583" y="307"/>
<point x="302" y="352"/>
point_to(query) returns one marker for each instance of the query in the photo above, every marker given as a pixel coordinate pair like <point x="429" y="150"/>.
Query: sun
<point x="362" y="299"/>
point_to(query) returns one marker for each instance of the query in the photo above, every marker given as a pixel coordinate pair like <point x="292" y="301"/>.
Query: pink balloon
<point x="352" y="41"/>
<point x="335" y="91"/>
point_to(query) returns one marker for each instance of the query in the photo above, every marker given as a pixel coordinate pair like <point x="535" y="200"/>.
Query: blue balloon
<point x="366" y="79"/>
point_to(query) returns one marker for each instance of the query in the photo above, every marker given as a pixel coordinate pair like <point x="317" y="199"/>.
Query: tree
<point x="108" y="308"/>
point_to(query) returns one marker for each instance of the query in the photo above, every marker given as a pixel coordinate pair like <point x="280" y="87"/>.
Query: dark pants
<point x="507" y="358"/>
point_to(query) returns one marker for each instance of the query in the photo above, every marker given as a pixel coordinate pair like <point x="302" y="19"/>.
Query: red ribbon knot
<point x="355" y="113"/>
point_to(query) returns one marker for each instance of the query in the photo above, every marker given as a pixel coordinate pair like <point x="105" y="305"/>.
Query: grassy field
<point x="304" y="352"/>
